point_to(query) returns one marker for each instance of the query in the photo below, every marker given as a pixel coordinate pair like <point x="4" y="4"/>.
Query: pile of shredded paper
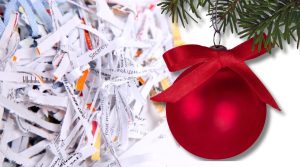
<point x="75" y="81"/>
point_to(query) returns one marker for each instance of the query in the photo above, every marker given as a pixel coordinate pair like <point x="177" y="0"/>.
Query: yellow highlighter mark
<point x="97" y="143"/>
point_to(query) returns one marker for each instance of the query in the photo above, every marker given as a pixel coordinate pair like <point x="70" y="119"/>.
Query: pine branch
<point x="279" y="19"/>
<point x="227" y="13"/>
<point x="177" y="9"/>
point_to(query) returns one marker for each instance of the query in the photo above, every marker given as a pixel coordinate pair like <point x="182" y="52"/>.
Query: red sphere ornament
<point x="219" y="119"/>
<point x="217" y="108"/>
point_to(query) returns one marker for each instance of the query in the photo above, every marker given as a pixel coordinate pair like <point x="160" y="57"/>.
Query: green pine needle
<point x="278" y="19"/>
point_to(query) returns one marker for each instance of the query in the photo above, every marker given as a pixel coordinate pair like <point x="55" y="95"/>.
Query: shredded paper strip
<point x="75" y="81"/>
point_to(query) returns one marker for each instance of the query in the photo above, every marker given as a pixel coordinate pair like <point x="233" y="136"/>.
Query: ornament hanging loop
<point x="217" y="33"/>
<point x="218" y="46"/>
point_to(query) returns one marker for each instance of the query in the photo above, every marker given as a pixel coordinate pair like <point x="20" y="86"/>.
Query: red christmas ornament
<point x="217" y="108"/>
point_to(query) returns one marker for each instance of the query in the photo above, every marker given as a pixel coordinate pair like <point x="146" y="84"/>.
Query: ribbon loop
<point x="246" y="50"/>
<point x="198" y="75"/>
<point x="205" y="63"/>
<point x="187" y="55"/>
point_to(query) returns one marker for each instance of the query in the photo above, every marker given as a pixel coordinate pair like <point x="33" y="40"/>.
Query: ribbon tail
<point x="188" y="82"/>
<point x="253" y="81"/>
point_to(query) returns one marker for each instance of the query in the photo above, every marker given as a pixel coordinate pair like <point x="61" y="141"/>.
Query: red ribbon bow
<point x="205" y="63"/>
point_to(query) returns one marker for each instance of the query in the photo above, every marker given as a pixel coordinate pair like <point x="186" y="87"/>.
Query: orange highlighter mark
<point x="87" y="37"/>
<point x="81" y="80"/>
<point x="138" y="52"/>
<point x="14" y="58"/>
<point x="89" y="107"/>
<point x="141" y="80"/>
<point x="38" y="51"/>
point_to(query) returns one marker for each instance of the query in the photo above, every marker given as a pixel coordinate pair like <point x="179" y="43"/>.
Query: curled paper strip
<point x="75" y="81"/>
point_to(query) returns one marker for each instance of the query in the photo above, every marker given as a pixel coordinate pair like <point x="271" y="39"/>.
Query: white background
<point x="279" y="145"/>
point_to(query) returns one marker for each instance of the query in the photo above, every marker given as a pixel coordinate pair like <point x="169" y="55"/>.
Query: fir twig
<point x="279" y="19"/>
<point x="227" y="13"/>
<point x="178" y="9"/>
